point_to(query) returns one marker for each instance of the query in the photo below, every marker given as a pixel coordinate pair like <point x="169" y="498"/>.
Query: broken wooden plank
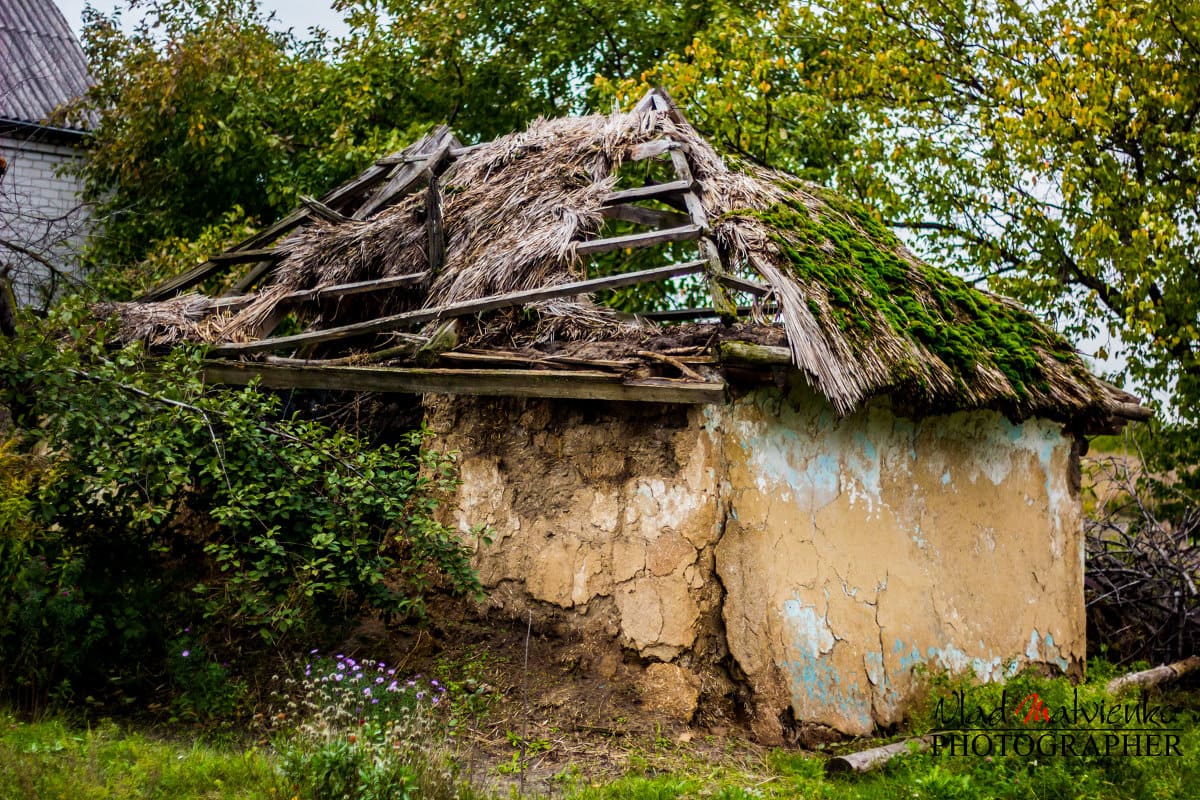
<point x="246" y="256"/>
<point x="759" y="355"/>
<point x="321" y="211"/>
<point x="330" y="292"/>
<point x="743" y="284"/>
<point x="651" y="192"/>
<point x="465" y="308"/>
<point x="294" y="219"/>
<point x="633" y="241"/>
<point x="407" y="176"/>
<point x="1155" y="675"/>
<point x="435" y="234"/>
<point x="252" y="277"/>
<point x="679" y="314"/>
<point x="639" y="215"/>
<point x="582" y="385"/>
<point x="866" y="760"/>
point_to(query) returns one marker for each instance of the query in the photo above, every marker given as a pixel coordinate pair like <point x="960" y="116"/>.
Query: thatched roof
<point x="444" y="232"/>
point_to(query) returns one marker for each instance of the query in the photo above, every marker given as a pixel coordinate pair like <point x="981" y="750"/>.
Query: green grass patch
<point x="51" y="759"/>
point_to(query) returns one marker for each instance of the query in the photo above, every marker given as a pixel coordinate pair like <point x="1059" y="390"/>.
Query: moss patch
<point x="839" y="252"/>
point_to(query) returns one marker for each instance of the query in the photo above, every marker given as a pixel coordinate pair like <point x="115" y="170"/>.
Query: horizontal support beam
<point x="749" y="353"/>
<point x="466" y="308"/>
<point x="646" y="216"/>
<point x="331" y="292"/>
<point x="679" y="314"/>
<point x="685" y="233"/>
<point x="648" y="192"/>
<point x="581" y="385"/>
<point x="744" y="285"/>
<point x="245" y="256"/>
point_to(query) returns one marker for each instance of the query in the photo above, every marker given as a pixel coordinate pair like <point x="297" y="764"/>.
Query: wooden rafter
<point x="466" y="308"/>
<point x="578" y="384"/>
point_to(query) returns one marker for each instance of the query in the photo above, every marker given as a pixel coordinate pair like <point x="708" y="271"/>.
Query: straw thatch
<point x="862" y="315"/>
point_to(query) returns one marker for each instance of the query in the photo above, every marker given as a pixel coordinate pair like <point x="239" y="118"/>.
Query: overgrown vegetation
<point x="155" y="527"/>
<point x="331" y="741"/>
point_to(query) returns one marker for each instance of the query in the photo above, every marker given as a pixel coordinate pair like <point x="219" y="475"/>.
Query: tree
<point x="204" y="108"/>
<point x="745" y="83"/>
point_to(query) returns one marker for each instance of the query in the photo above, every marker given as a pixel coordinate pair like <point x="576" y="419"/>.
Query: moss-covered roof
<point x="908" y="326"/>
<point x="443" y="231"/>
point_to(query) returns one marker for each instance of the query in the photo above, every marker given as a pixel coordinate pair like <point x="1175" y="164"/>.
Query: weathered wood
<point x="267" y="235"/>
<point x="330" y="292"/>
<point x="252" y="276"/>
<point x="676" y="315"/>
<point x="435" y="234"/>
<point x="685" y="233"/>
<point x="1155" y="675"/>
<point x="509" y="383"/>
<point x="867" y="760"/>
<point x="656" y="147"/>
<point x="721" y="300"/>
<point x="1134" y="411"/>
<point x="409" y="175"/>
<point x="743" y="285"/>
<point x="651" y="192"/>
<point x="410" y="344"/>
<point x="737" y="352"/>
<point x="683" y="369"/>
<point x="646" y="216"/>
<point x="441" y="340"/>
<point x="246" y="256"/>
<point x="466" y="308"/>
<point x="321" y="211"/>
<point x="501" y="359"/>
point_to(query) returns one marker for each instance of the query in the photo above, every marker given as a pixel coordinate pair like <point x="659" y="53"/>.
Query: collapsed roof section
<point x="456" y="269"/>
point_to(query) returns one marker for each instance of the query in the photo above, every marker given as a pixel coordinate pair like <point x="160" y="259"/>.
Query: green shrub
<point x="149" y="502"/>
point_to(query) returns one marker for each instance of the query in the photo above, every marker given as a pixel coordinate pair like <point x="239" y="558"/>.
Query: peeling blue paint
<point x="815" y="683"/>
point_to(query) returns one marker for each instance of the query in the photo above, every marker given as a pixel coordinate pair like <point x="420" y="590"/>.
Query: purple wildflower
<point x="420" y="695"/>
<point x="393" y="686"/>
<point x="186" y="653"/>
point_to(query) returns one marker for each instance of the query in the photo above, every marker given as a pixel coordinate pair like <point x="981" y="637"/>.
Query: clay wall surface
<point x="815" y="560"/>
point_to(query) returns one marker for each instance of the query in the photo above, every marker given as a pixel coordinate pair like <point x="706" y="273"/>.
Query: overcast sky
<point x="298" y="14"/>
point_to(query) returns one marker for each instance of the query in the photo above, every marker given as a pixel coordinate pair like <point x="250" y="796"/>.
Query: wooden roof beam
<point x="574" y="384"/>
<point x="463" y="309"/>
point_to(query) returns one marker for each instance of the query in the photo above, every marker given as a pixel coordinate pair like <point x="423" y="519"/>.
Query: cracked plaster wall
<point x="838" y="554"/>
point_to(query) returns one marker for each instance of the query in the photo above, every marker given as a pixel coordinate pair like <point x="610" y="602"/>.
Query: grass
<point x="53" y="759"/>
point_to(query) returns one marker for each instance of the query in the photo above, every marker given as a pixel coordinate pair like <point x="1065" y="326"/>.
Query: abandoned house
<point x="42" y="218"/>
<point x="814" y="464"/>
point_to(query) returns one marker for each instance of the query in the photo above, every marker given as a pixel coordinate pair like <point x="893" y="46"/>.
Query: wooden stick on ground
<point x="866" y="760"/>
<point x="1154" y="676"/>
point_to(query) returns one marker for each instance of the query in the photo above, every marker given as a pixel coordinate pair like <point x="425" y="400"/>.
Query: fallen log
<point x="1155" y="675"/>
<point x="866" y="760"/>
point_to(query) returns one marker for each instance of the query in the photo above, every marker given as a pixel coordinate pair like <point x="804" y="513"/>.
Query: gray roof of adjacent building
<point x="42" y="65"/>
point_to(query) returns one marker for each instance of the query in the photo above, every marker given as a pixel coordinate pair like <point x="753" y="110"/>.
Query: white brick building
<point x="42" y="220"/>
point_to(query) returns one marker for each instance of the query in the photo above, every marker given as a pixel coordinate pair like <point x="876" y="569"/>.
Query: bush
<point x="139" y="501"/>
